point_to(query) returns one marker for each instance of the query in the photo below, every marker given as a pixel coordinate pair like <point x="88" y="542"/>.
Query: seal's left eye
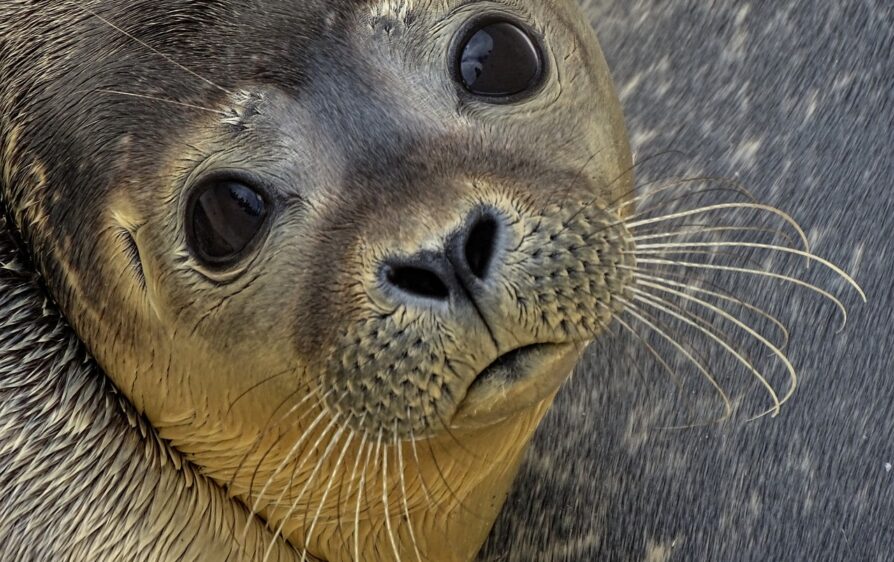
<point x="499" y="60"/>
<point x="224" y="219"/>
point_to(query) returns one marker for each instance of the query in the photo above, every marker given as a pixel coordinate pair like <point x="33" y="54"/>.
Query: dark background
<point x="795" y="99"/>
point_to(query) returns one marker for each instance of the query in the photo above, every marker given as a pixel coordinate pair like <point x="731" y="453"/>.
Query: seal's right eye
<point x="498" y="61"/>
<point x="224" y="218"/>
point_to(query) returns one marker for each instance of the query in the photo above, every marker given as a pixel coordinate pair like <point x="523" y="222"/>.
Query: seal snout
<point x="465" y="319"/>
<point x="458" y="269"/>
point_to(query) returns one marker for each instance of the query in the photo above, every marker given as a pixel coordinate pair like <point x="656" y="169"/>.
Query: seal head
<point x="341" y="254"/>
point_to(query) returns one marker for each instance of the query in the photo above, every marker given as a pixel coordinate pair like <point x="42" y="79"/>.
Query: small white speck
<point x="888" y="467"/>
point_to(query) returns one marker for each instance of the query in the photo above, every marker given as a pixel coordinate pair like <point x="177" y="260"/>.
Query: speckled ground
<point x="795" y="98"/>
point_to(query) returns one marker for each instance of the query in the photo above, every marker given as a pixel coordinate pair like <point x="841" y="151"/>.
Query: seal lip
<point x="475" y="24"/>
<point x="515" y="381"/>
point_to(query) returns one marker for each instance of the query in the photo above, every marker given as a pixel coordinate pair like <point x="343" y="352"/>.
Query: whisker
<point x="675" y="377"/>
<point x="668" y="308"/>
<point x="462" y="505"/>
<point x="251" y="488"/>
<point x="310" y="531"/>
<point x="361" y="490"/>
<point x="633" y="225"/>
<point x="351" y="481"/>
<point x="577" y="175"/>
<point x="162" y="100"/>
<point x="694" y="286"/>
<point x="276" y="442"/>
<point x="793" y="375"/>
<point x="433" y="502"/>
<point x="708" y="253"/>
<point x="782" y="249"/>
<point x="258" y="385"/>
<point x="403" y="487"/>
<point x="314" y="423"/>
<point x="150" y="47"/>
<point x="641" y="316"/>
<point x="758" y="272"/>
<point x="385" y="502"/>
<point x="696" y="229"/>
<point x="261" y="435"/>
<point x="652" y="188"/>
<point x="688" y="195"/>
<point x="323" y="458"/>
<point x="592" y="201"/>
<point x="288" y="458"/>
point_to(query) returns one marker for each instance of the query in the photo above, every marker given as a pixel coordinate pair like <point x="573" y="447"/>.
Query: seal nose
<point x="417" y="278"/>
<point x="467" y="259"/>
<point x="473" y="249"/>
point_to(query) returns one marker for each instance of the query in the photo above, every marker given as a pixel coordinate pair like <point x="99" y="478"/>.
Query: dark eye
<point x="224" y="219"/>
<point x="499" y="59"/>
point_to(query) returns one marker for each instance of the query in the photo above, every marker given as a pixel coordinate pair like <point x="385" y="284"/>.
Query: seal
<point x="340" y="255"/>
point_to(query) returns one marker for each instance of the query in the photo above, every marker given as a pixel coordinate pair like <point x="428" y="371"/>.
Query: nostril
<point x="481" y="245"/>
<point x="417" y="282"/>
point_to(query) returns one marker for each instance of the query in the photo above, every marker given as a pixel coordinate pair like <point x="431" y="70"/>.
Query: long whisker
<point x="361" y="490"/>
<point x="385" y="503"/>
<point x="403" y="488"/>
<point x="462" y="505"/>
<point x="675" y="377"/>
<point x="782" y="249"/>
<point x="668" y="308"/>
<point x="433" y="502"/>
<point x="288" y="458"/>
<point x="634" y="224"/>
<point x="162" y="100"/>
<point x="147" y="46"/>
<point x="629" y="170"/>
<point x="323" y="458"/>
<point x="276" y="442"/>
<point x="695" y="287"/>
<point x="259" y="499"/>
<point x="650" y="189"/>
<point x="641" y="316"/>
<point x="257" y="441"/>
<point x="351" y="480"/>
<point x="758" y="272"/>
<point x="698" y="229"/>
<point x="708" y="253"/>
<point x="310" y="530"/>
<point x="614" y="208"/>
<point x="260" y="384"/>
<point x="793" y="375"/>
<point x="320" y="416"/>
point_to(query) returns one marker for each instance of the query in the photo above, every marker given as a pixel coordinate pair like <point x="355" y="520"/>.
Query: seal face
<point x="341" y="254"/>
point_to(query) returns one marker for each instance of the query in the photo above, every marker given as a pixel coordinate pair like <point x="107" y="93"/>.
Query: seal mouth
<point x="516" y="380"/>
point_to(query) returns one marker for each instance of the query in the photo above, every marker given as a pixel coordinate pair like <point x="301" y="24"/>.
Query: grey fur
<point x="794" y="98"/>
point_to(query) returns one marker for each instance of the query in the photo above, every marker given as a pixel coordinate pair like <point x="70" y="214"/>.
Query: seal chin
<point x="516" y="381"/>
